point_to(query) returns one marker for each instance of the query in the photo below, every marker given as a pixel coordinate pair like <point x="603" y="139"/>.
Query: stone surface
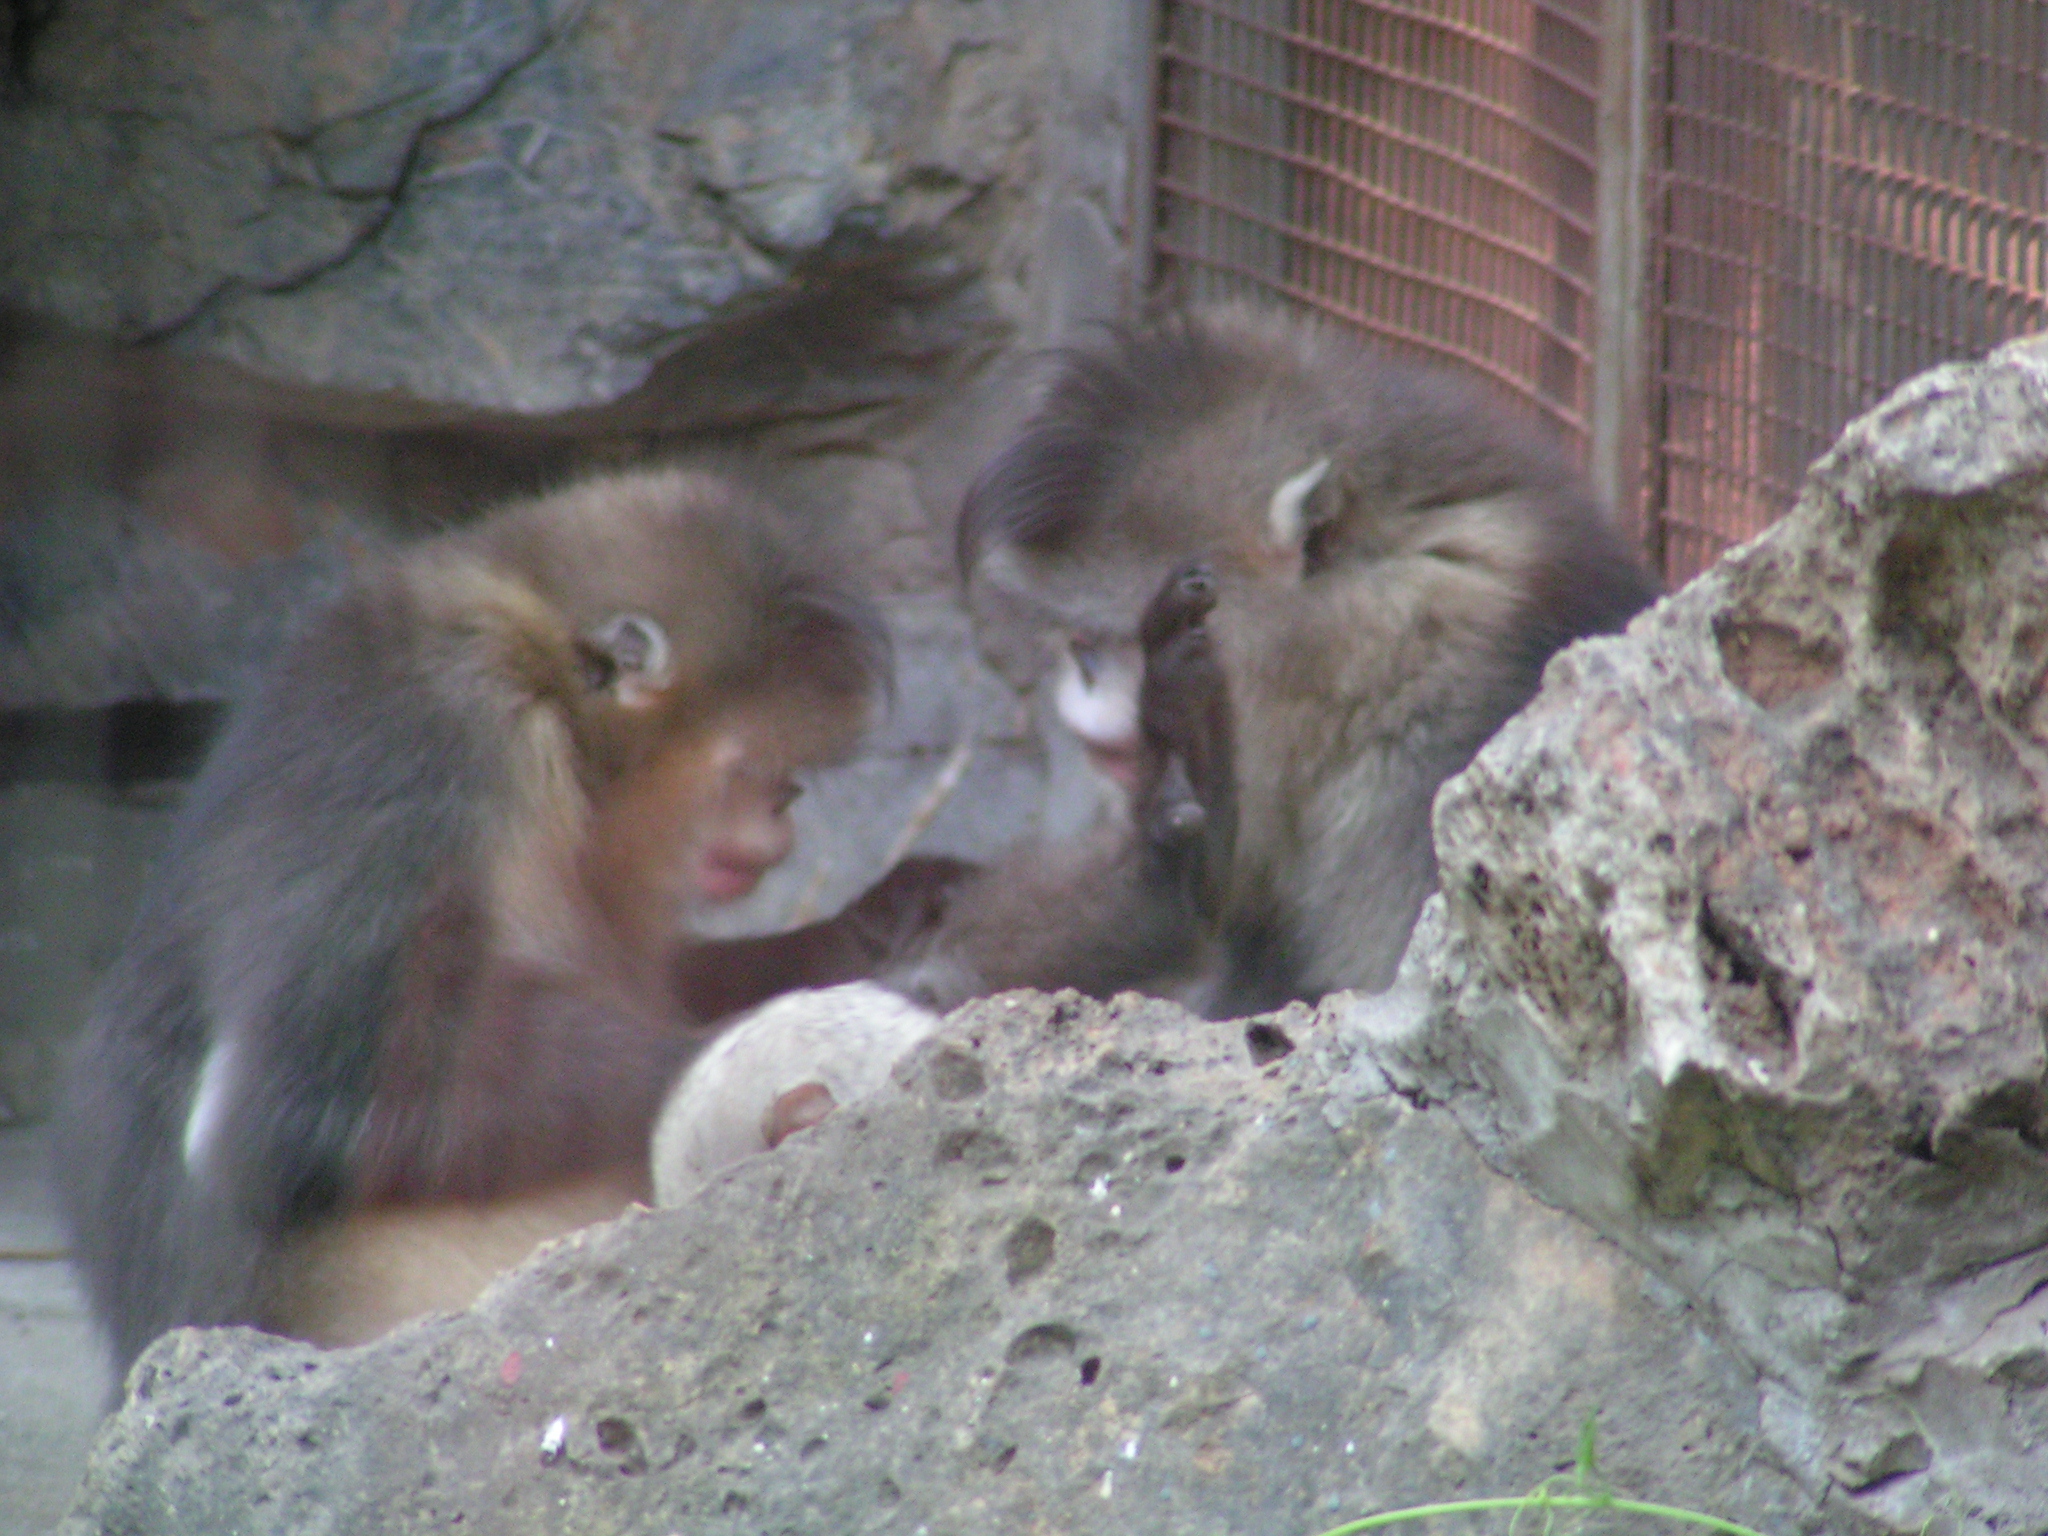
<point x="53" y="1387"/>
<point x="1079" y="1269"/>
<point x="108" y="608"/>
<point x="73" y="860"/>
<point x="523" y="205"/>
<point x="1743" y="953"/>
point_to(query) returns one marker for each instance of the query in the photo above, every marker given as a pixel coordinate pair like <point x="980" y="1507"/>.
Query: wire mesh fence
<point x="1423" y="172"/>
<point x="1852" y="193"/>
<point x="1835" y="195"/>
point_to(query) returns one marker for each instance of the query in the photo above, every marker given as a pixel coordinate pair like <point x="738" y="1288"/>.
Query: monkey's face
<point x="696" y="824"/>
<point x="1045" y="619"/>
<point x="748" y="774"/>
<point x="1072" y="612"/>
<point x="743" y="830"/>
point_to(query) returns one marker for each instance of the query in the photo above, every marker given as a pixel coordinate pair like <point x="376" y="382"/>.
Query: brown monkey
<point x="1393" y="563"/>
<point x="1128" y="905"/>
<point x="1136" y="902"/>
<point x="415" y="958"/>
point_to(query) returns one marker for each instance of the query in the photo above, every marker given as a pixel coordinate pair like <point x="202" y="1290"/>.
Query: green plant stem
<point x="1558" y="1501"/>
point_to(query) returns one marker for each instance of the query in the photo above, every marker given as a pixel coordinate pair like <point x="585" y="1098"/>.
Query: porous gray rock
<point x="1743" y="954"/>
<point x="1078" y="1268"/>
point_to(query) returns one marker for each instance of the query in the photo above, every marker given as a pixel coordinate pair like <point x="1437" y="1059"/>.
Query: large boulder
<point x="1078" y="1269"/>
<point x="522" y="205"/>
<point x="1743" y="953"/>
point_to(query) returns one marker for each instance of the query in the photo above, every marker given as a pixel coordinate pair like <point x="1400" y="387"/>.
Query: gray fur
<point x="1444" y="556"/>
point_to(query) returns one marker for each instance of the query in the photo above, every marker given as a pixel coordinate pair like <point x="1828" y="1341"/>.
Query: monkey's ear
<point x="1290" y="518"/>
<point x="628" y="656"/>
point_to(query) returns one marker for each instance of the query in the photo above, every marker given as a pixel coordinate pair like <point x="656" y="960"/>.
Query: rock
<point x="106" y="608"/>
<point x="1078" y="1268"/>
<point x="1742" y="954"/>
<point x="520" y="205"/>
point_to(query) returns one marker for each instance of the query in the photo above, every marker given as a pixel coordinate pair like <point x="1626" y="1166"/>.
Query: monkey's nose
<point x="721" y="880"/>
<point x="732" y="866"/>
<point x="1118" y="762"/>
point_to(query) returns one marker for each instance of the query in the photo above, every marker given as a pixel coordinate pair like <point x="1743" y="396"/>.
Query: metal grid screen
<point x="1421" y="171"/>
<point x="1853" y="193"/>
<point x="1833" y="196"/>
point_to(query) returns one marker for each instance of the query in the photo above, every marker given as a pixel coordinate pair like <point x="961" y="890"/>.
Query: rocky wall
<point x="1743" y="953"/>
<point x="282" y="283"/>
<point x="1078" y="1269"/>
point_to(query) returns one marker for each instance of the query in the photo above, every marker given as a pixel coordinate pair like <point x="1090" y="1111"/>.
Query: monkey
<point x="1128" y="902"/>
<point x="416" y="953"/>
<point x="782" y="1068"/>
<point x="1392" y="562"/>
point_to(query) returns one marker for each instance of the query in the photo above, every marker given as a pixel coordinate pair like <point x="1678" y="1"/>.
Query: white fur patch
<point x="845" y="1038"/>
<point x="209" y="1104"/>
<point x="1285" y="522"/>
<point x="1102" y="711"/>
<point x="1492" y="531"/>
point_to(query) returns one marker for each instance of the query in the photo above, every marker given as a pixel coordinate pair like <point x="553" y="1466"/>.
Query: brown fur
<point x="417" y="960"/>
<point x="351" y="1280"/>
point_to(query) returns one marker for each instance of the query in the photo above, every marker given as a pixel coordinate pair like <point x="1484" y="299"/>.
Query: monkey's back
<point x="346" y="787"/>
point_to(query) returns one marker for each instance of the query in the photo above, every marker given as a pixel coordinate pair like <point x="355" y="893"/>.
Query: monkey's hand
<point x="1187" y="791"/>
<point x="892" y="915"/>
<point x="715" y="979"/>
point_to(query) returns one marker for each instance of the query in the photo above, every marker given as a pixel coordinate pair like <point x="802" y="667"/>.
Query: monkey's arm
<point x="1120" y="910"/>
<point x="554" y="1073"/>
<point x="1093" y="915"/>
<point x="1186" y="806"/>
<point x="715" y="980"/>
